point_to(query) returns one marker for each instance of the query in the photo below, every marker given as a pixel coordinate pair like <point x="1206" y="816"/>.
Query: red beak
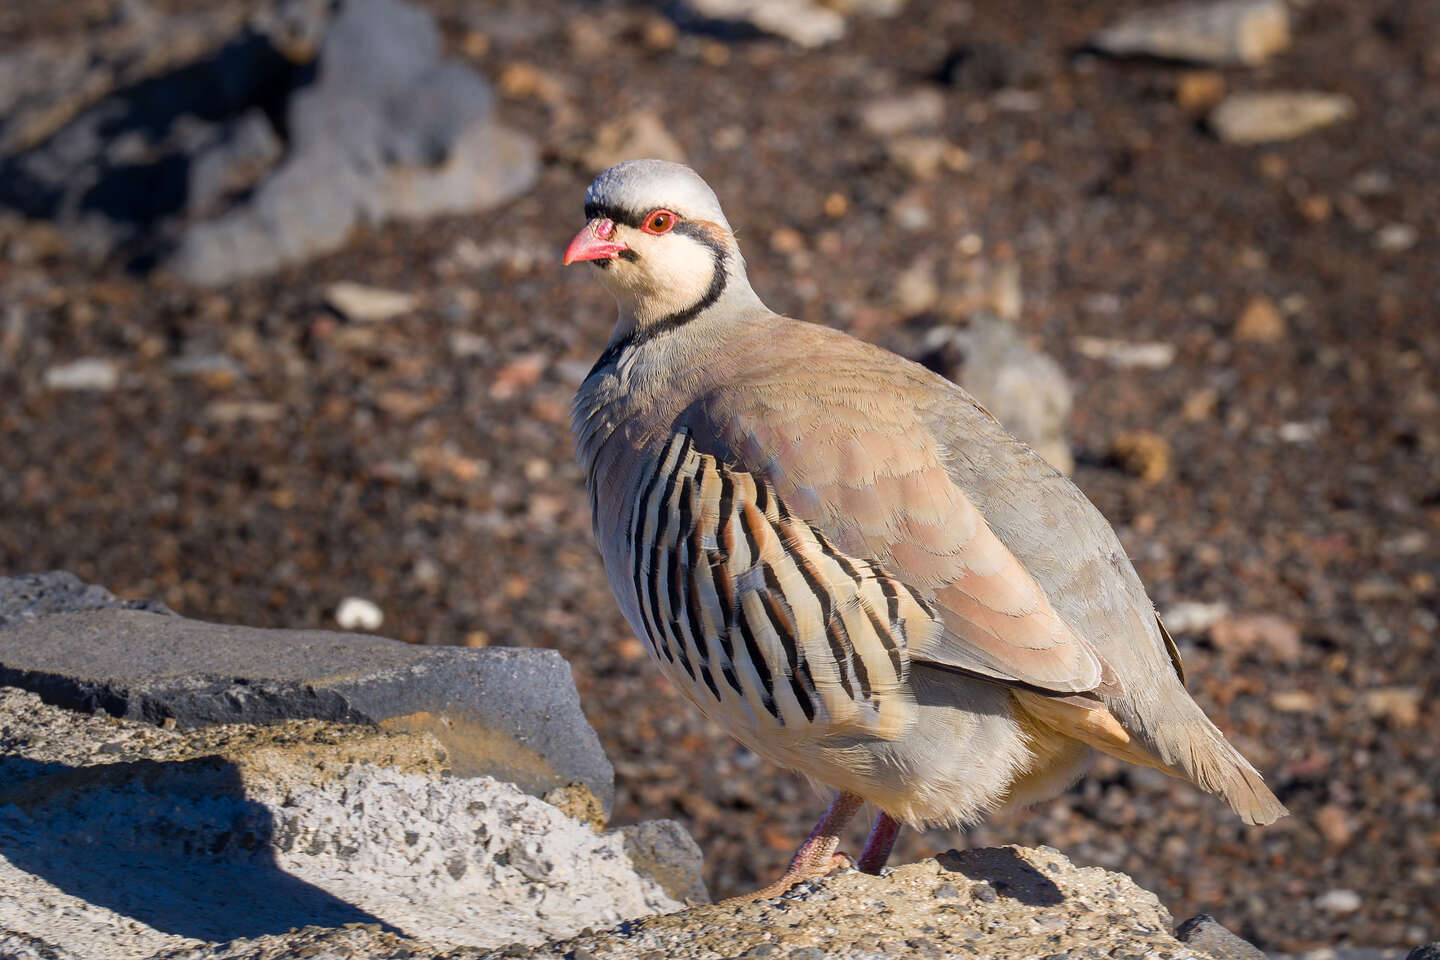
<point x="593" y="243"/>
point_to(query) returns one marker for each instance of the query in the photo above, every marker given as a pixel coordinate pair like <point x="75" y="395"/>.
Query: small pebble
<point x="946" y="891"/>
<point x="984" y="893"/>
<point x="807" y="953"/>
<point x="1261" y="322"/>
<point x="88" y="373"/>
<point x="1396" y="237"/>
<point x="1339" y="901"/>
<point x="361" y="304"/>
<point x="357" y="613"/>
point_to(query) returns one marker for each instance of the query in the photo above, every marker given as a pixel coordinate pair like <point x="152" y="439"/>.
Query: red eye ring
<point x="659" y="221"/>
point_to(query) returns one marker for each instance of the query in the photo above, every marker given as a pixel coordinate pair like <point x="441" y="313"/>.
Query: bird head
<point x="660" y="242"/>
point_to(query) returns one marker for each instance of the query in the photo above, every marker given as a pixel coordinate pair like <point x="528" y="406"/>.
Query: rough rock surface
<point x="506" y="712"/>
<point x="1007" y="903"/>
<point x="270" y="147"/>
<point x="34" y="595"/>
<point x="1207" y="935"/>
<point x="120" y="839"/>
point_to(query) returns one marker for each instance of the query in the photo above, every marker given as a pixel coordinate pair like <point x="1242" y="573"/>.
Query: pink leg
<point x="879" y="843"/>
<point x="816" y="856"/>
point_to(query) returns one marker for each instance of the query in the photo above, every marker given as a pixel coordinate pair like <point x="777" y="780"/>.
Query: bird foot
<point x="798" y="873"/>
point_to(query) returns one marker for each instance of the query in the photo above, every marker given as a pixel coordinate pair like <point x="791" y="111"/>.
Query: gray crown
<point x="636" y="187"/>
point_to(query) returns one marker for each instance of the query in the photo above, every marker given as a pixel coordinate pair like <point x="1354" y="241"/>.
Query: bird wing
<point x="768" y="620"/>
<point x="847" y="451"/>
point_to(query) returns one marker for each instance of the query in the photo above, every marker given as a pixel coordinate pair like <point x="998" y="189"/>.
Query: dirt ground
<point x="424" y="462"/>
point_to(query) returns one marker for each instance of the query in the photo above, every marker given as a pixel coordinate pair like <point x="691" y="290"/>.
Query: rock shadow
<point x="175" y="845"/>
<point x="1007" y="872"/>
<point x="186" y="142"/>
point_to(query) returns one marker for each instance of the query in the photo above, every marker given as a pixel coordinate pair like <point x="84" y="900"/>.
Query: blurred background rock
<point x="283" y="337"/>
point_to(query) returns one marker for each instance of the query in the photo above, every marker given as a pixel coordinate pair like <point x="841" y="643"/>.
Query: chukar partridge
<point x="845" y="561"/>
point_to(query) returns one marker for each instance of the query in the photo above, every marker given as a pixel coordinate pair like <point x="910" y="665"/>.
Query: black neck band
<point x="674" y="321"/>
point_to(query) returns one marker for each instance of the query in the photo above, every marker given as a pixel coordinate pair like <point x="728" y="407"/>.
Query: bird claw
<point x="798" y="873"/>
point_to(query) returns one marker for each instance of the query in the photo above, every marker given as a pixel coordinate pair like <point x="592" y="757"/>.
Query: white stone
<point x="1396" y="237"/>
<point x="904" y="113"/>
<point x="1301" y="431"/>
<point x="87" y="373"/>
<point x="1220" y="33"/>
<point x="915" y="288"/>
<point x="1339" y="901"/>
<point x="357" y="613"/>
<point x="1148" y="355"/>
<point x="802" y="22"/>
<point x="1276" y="115"/>
<point x="362" y="304"/>
<point x="1192" y="616"/>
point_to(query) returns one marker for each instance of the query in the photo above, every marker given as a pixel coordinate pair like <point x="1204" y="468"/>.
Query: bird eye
<point x="659" y="222"/>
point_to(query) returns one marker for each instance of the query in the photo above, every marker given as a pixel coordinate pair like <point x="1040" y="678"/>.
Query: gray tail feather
<point x="1212" y="763"/>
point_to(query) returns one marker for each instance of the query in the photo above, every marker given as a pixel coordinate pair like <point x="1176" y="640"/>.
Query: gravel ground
<point x="423" y="462"/>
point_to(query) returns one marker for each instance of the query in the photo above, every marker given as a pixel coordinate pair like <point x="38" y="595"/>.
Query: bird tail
<point x="1188" y="746"/>
<point x="1207" y="759"/>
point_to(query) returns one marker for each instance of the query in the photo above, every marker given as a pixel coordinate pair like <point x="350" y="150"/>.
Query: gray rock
<point x="1206" y="934"/>
<point x="118" y="840"/>
<point x="1219" y="32"/>
<point x="387" y="130"/>
<point x="35" y="595"/>
<point x="1426" y="951"/>
<point x="665" y="852"/>
<point x="1024" y="389"/>
<point x="376" y="126"/>
<point x="509" y="713"/>
<point x="46" y="83"/>
<point x="1271" y="116"/>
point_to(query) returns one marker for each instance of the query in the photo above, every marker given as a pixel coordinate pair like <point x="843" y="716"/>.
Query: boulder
<point x="119" y="839"/>
<point x="266" y="144"/>
<point x="509" y="713"/>
<point x="280" y="810"/>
